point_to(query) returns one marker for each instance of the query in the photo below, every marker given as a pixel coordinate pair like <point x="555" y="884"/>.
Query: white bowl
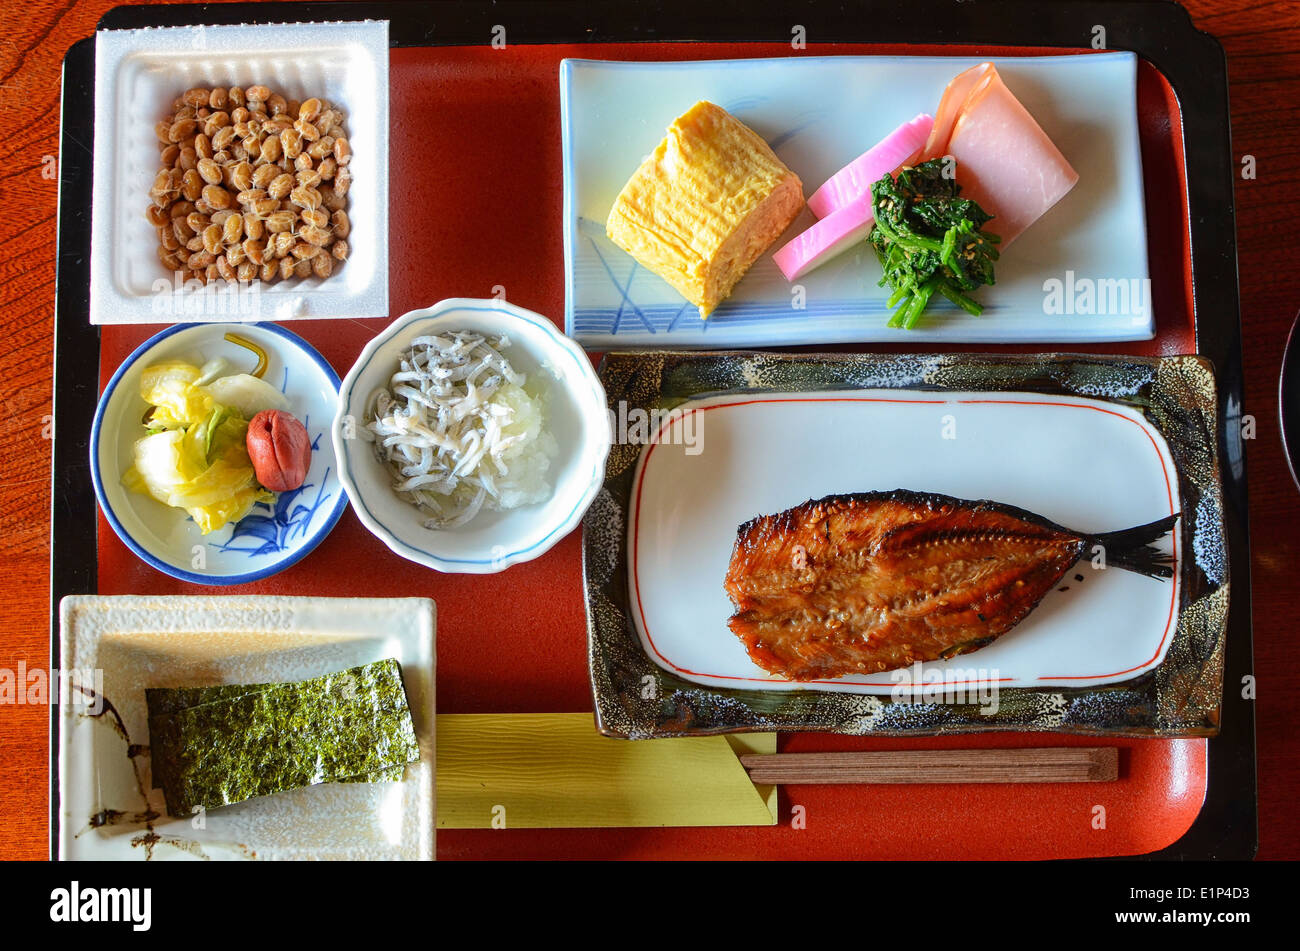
<point x="137" y="75"/>
<point x="491" y="541"/>
<point x="270" y="538"/>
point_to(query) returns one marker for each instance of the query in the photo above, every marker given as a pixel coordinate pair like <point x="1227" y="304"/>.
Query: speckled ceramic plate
<point x="1096" y="443"/>
<point x="115" y="647"/>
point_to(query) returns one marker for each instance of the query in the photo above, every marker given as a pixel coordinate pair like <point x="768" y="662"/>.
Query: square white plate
<point x="1089" y="465"/>
<point x="818" y="114"/>
<point x="137" y="75"/>
<point x="133" y="642"/>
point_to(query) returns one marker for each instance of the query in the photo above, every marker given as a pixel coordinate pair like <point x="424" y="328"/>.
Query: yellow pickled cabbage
<point x="194" y="457"/>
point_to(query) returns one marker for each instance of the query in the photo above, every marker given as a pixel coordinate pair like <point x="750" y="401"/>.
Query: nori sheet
<point x="214" y="746"/>
<point x="165" y="701"/>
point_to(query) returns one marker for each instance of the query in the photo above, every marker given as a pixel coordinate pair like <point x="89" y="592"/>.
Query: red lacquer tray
<point x="476" y="203"/>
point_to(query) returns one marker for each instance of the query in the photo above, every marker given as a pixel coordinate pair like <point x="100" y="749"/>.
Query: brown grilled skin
<point x="856" y="584"/>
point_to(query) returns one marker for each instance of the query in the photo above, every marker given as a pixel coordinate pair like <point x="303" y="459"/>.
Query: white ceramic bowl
<point x="270" y="538"/>
<point x="491" y="541"/>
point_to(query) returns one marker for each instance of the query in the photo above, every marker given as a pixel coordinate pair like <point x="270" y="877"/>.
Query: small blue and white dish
<point x="271" y="537"/>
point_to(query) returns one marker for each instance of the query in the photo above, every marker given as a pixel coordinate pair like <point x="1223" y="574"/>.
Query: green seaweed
<point x="164" y="702"/>
<point x="215" y="746"/>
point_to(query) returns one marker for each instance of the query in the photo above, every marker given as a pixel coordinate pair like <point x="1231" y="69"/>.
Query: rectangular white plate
<point x="1088" y="465"/>
<point x="137" y="75"/>
<point x="138" y="642"/>
<point x="819" y="113"/>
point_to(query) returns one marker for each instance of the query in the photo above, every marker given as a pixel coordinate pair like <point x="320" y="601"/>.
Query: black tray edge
<point x="1192" y="61"/>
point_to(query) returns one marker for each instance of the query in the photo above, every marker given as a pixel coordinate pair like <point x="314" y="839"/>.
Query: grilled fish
<point x="861" y="583"/>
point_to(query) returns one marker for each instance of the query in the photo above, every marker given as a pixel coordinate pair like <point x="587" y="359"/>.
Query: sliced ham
<point x="1005" y="161"/>
<point x="950" y="107"/>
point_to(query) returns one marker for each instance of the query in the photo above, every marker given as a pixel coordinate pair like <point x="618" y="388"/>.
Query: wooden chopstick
<point x="1060" y="764"/>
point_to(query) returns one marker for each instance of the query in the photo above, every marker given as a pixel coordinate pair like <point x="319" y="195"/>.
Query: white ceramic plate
<point x="271" y="537"/>
<point x="819" y="113"/>
<point x="1087" y="465"/>
<point x="137" y="75"/>
<point x="137" y="642"/>
<point x="577" y="417"/>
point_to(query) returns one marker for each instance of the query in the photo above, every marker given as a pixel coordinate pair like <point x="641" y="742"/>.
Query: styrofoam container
<point x="137" y="75"/>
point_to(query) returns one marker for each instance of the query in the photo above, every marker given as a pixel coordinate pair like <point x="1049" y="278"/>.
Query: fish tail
<point x="1131" y="548"/>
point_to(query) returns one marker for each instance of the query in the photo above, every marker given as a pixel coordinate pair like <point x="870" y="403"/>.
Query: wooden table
<point x="1262" y="40"/>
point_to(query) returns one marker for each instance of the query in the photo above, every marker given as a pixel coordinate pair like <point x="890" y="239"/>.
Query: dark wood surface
<point x="1262" y="41"/>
